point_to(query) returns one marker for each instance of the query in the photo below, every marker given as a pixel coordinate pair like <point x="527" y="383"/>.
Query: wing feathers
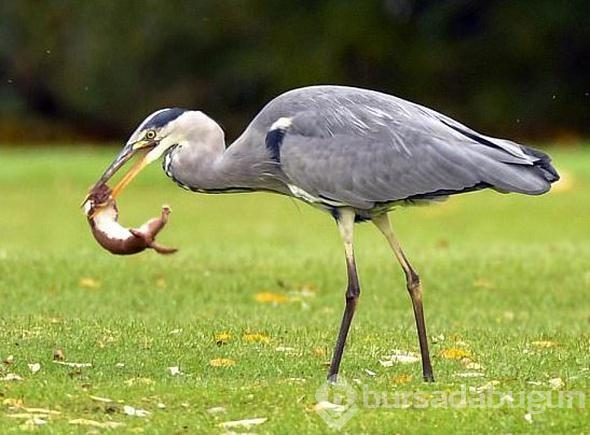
<point x="354" y="154"/>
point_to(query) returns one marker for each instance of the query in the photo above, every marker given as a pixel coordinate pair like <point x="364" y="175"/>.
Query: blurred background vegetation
<point x="91" y="70"/>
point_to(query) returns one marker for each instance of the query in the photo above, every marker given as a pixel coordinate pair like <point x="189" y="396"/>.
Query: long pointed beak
<point x="123" y="157"/>
<point x="132" y="173"/>
<point x="126" y="153"/>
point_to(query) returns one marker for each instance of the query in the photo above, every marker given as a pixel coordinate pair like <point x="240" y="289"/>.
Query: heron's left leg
<point x="414" y="288"/>
<point x="345" y="220"/>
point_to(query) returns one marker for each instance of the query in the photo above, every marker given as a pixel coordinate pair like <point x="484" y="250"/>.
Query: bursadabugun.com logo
<point x="339" y="401"/>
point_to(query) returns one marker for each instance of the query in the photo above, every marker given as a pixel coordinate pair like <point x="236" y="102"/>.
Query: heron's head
<point x="157" y="134"/>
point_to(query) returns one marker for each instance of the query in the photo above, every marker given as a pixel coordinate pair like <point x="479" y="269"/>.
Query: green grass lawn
<point x="249" y="308"/>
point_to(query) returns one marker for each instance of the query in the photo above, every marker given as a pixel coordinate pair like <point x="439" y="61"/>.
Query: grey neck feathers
<point x="212" y="168"/>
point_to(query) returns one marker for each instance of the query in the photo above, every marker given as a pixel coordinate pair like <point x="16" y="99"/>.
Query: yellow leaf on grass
<point x="402" y="379"/>
<point x="254" y="337"/>
<point x="454" y="353"/>
<point x="319" y="351"/>
<point x="222" y="362"/>
<point x="88" y="282"/>
<point x="139" y="381"/>
<point x="271" y="298"/>
<point x="544" y="343"/>
<point x="222" y="337"/>
<point x="13" y="403"/>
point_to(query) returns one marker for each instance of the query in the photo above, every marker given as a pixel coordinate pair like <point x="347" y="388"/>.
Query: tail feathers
<point x="543" y="163"/>
<point x="532" y="176"/>
<point x="509" y="152"/>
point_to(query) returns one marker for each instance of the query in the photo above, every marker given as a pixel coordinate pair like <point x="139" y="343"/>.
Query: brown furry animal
<point x="102" y="214"/>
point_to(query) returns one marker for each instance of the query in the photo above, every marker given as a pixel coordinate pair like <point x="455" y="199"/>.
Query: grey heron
<point x="352" y="152"/>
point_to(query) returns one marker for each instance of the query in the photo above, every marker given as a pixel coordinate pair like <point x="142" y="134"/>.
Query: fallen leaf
<point x="174" y="371"/>
<point x="222" y="362"/>
<point x="544" y="343"/>
<point x="216" y="410"/>
<point x="319" y="351"/>
<point x="222" y="338"/>
<point x="32" y="423"/>
<point x="34" y="368"/>
<point x="402" y="379"/>
<point x="469" y="375"/>
<point x="175" y="331"/>
<point x="296" y="380"/>
<point x="271" y="298"/>
<point x="471" y="365"/>
<point x="255" y="338"/>
<point x="13" y="403"/>
<point x="161" y="405"/>
<point x="454" y="353"/>
<point x="88" y="282"/>
<point x="305" y="291"/>
<point x="11" y="377"/>
<point x="243" y="423"/>
<point x="58" y="355"/>
<point x="135" y="412"/>
<point x="400" y="357"/>
<point x="370" y="372"/>
<point x="139" y="381"/>
<point x="329" y="406"/>
<point x="556" y="383"/>
<point x="101" y="399"/>
<point x="76" y="365"/>
<point x="528" y="418"/>
<point x="438" y="338"/>
<point x="93" y="423"/>
<point x="8" y="360"/>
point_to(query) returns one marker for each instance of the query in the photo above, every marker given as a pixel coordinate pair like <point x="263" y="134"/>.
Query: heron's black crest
<point x="273" y="140"/>
<point x="163" y="117"/>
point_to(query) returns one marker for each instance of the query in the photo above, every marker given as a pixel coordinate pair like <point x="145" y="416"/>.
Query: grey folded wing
<point x="359" y="158"/>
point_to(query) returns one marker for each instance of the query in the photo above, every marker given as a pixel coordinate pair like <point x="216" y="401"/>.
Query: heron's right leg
<point x="345" y="222"/>
<point x="414" y="288"/>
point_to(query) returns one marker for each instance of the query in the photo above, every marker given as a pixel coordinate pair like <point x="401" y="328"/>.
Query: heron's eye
<point x="150" y="134"/>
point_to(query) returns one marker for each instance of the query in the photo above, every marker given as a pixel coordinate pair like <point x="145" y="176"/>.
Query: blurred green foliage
<point x="518" y="68"/>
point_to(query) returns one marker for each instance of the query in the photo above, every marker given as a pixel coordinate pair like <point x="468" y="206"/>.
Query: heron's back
<point x="363" y="148"/>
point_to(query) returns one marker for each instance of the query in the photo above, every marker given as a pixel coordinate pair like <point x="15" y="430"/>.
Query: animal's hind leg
<point x="414" y="289"/>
